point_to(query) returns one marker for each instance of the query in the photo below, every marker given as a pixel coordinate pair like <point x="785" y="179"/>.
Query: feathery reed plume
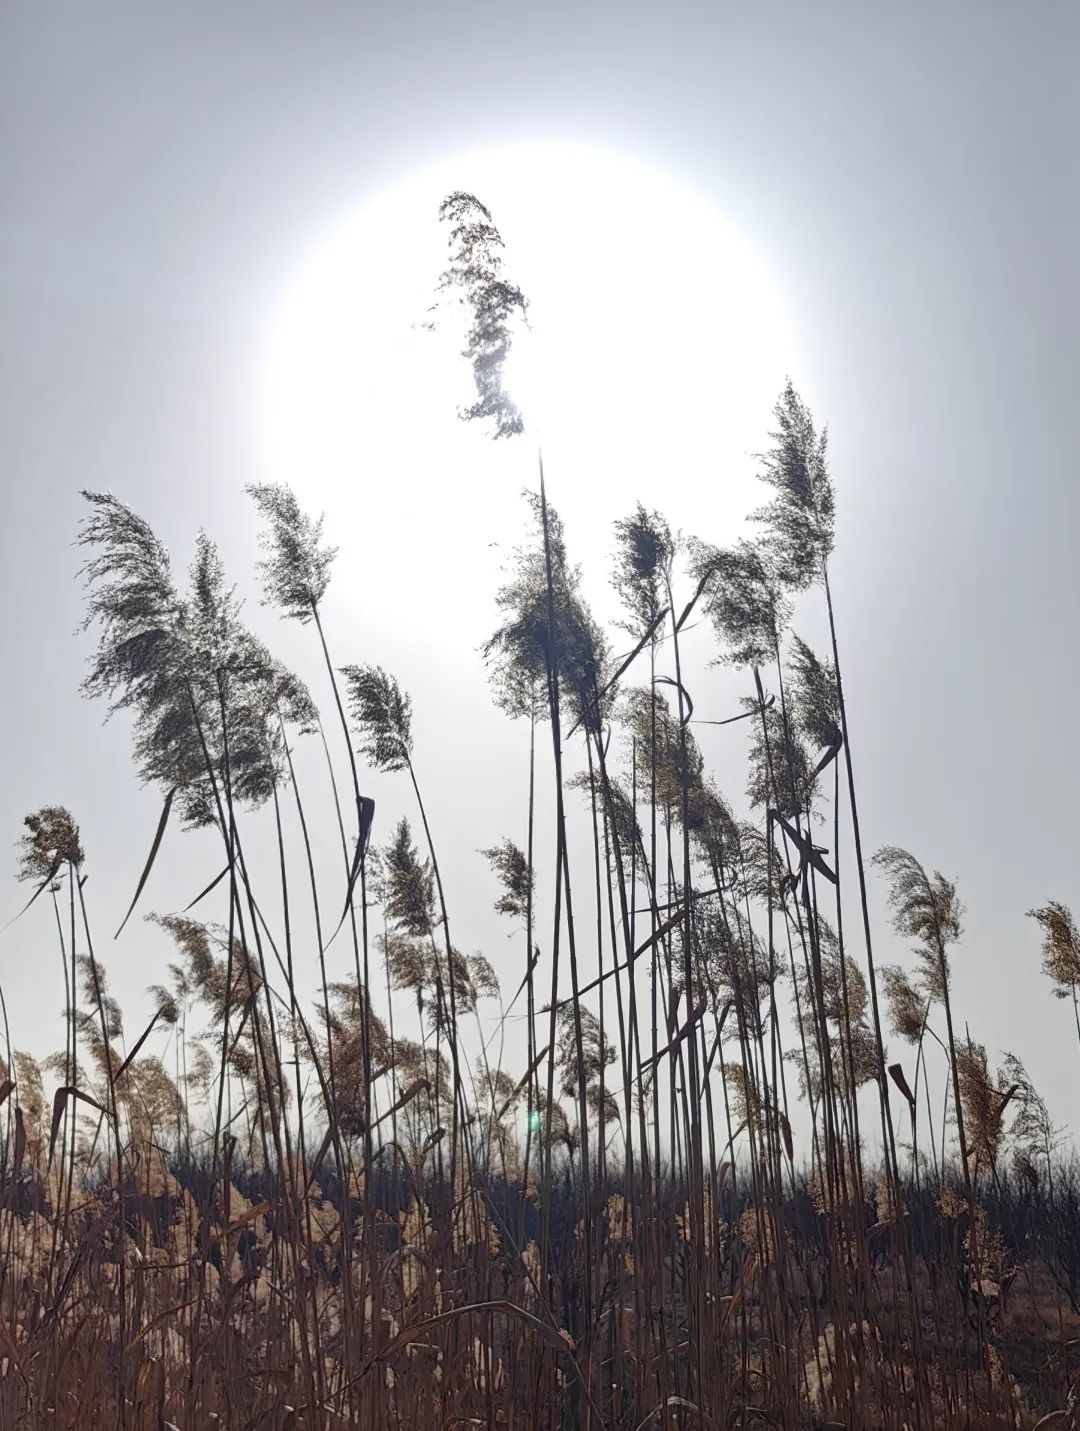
<point x="853" y="1054"/>
<point x="745" y="1097"/>
<point x="644" y="553"/>
<point x="907" y="1007"/>
<point x="360" y="1043"/>
<point x="537" y="635"/>
<point x="814" y="701"/>
<point x="846" y="1004"/>
<point x="515" y="876"/>
<point x="598" y="1052"/>
<point x="731" y="964"/>
<point x="1060" y="949"/>
<point x="714" y="829"/>
<point x="182" y="665"/>
<point x="925" y="908"/>
<point x="28" y="1073"/>
<point x="410" y="885"/>
<point x="51" y="841"/>
<point x="624" y="827"/>
<point x="799" y="520"/>
<point x="984" y="1103"/>
<point x="761" y="867"/>
<point x="780" y="769"/>
<point x="1034" y="1133"/>
<point x="928" y="910"/>
<point x="482" y="977"/>
<point x="296" y="567"/>
<point x="744" y="600"/>
<point x="799" y="526"/>
<point x="142" y="659"/>
<point x="383" y="713"/>
<point x="218" y="981"/>
<point x="166" y="1008"/>
<point x="493" y="304"/>
<point x="663" y="763"/>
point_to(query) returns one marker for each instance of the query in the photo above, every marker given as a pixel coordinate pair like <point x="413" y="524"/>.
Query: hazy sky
<point x="209" y="215"/>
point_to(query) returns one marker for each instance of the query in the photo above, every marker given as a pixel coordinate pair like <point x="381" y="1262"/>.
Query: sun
<point x="657" y="344"/>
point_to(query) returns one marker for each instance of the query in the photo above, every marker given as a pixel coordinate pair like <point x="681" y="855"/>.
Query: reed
<point x="620" y="1177"/>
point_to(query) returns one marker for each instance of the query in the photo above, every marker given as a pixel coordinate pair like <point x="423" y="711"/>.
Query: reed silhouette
<point x="622" y="1176"/>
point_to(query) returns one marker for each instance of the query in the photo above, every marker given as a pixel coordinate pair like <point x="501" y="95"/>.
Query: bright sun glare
<point x="656" y="349"/>
<point x="658" y="341"/>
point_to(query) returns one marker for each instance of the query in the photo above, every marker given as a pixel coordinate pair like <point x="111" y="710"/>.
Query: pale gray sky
<point x="894" y="189"/>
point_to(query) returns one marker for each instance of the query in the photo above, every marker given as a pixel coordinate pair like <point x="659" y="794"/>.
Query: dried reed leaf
<point x="671" y="681"/>
<point x="60" y="1098"/>
<point x="557" y="1339"/>
<point x="414" y="1089"/>
<point x="317" y="1162"/>
<point x="686" y="1029"/>
<point x="809" y="854"/>
<point x="435" y="1136"/>
<point x="747" y="1273"/>
<point x="653" y="938"/>
<point x="53" y="872"/>
<point x="1007" y="1098"/>
<point x="537" y="1061"/>
<point x="682" y="1404"/>
<point x="257" y="1210"/>
<point x="365" y="810"/>
<point x="150" y="1384"/>
<point x="674" y="995"/>
<point x="785" y="1133"/>
<point x="896" y="1073"/>
<point x="147" y="1031"/>
<point x="688" y="608"/>
<point x="744" y="715"/>
<point x="20" y="1139"/>
<point x="211" y="886"/>
<point x="624" y="666"/>
<point x="159" y="835"/>
<point x="166" y="1316"/>
<point x="830" y="754"/>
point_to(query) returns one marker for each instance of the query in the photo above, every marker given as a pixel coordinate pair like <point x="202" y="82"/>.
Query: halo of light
<point x="657" y="345"/>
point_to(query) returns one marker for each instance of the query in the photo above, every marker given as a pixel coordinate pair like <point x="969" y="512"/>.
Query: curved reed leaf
<point x="159" y="835"/>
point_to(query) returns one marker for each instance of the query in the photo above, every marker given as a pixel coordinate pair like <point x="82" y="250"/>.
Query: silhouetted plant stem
<point x="287" y="921"/>
<point x="363" y="980"/>
<point x="458" y="1112"/>
<point x="888" y="1133"/>
<point x="601" y="1154"/>
<point x="853" y="1091"/>
<point x="562" y="875"/>
<point x="533" y="1090"/>
<point x="114" y="1118"/>
<point x="273" y="1078"/>
<point x="695" y="1148"/>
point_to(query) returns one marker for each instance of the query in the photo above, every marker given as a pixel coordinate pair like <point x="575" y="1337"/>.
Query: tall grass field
<point x="687" y="1154"/>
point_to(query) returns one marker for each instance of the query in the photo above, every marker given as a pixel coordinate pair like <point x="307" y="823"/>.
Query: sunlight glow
<point x="656" y="347"/>
<point x="657" y="336"/>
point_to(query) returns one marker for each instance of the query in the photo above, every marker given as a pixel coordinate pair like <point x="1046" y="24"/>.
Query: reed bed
<point x="688" y="1180"/>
